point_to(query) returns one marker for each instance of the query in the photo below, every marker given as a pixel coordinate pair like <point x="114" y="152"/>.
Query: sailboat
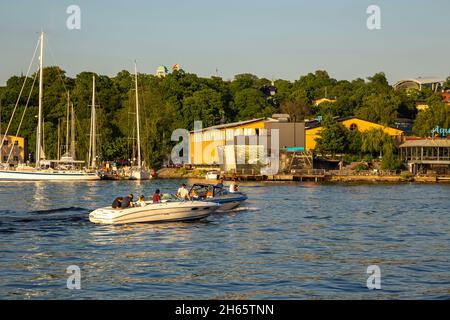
<point x="43" y="170"/>
<point x="138" y="172"/>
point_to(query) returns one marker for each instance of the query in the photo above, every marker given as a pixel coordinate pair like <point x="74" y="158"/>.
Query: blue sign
<point x="296" y="149"/>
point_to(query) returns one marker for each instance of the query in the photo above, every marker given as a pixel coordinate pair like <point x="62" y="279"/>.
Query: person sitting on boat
<point x="210" y="193"/>
<point x="127" y="201"/>
<point x="117" y="203"/>
<point x="141" y="202"/>
<point x="183" y="193"/>
<point x="194" y="194"/>
<point x="233" y="186"/>
<point x="220" y="184"/>
<point x="156" y="196"/>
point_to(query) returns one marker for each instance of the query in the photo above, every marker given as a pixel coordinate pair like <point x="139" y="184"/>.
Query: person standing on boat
<point x="183" y="193"/>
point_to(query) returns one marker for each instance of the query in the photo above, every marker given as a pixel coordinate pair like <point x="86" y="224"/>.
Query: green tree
<point x="438" y="114"/>
<point x="376" y="141"/>
<point x="381" y="108"/>
<point x="250" y="103"/>
<point x="333" y="138"/>
<point x="204" y="105"/>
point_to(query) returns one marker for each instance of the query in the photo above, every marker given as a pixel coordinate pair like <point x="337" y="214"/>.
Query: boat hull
<point x="154" y="213"/>
<point x="137" y="174"/>
<point x="229" y="202"/>
<point x="9" y="175"/>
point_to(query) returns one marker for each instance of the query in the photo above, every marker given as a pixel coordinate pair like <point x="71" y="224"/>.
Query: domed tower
<point x="161" y="71"/>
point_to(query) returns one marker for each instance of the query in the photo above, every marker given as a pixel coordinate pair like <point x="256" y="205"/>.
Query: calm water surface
<point x="289" y="241"/>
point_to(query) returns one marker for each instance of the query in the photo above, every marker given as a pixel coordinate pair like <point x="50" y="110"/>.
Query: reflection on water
<point x="287" y="241"/>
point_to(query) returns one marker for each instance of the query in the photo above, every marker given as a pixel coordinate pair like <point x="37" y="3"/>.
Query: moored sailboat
<point x="138" y="171"/>
<point x="65" y="168"/>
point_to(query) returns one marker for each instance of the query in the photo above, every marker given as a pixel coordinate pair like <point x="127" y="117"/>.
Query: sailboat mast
<point x="67" y="122"/>
<point x="41" y="91"/>
<point x="58" y="151"/>
<point x="72" y="132"/>
<point x="92" y="142"/>
<point x="138" y="137"/>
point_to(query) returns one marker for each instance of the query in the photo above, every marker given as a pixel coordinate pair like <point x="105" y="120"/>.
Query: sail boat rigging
<point x="138" y="172"/>
<point x="39" y="173"/>
<point x="92" y="158"/>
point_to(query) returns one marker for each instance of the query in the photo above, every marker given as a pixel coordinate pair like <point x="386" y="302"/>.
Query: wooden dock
<point x="300" y="175"/>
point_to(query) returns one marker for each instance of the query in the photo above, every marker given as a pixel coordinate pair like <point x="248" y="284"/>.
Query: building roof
<point x="427" y="143"/>
<point x="233" y="124"/>
<point x="350" y="118"/>
<point x="421" y="80"/>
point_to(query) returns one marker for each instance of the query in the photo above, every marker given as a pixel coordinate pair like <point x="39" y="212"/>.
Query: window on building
<point x="353" y="127"/>
<point x="5" y="158"/>
<point x="16" y="158"/>
<point x="16" y="143"/>
<point x="5" y="143"/>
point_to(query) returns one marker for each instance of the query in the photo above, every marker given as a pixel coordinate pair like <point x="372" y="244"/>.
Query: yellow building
<point x="205" y="143"/>
<point x="318" y="102"/>
<point x="17" y="144"/>
<point x="422" y="106"/>
<point x="353" y="123"/>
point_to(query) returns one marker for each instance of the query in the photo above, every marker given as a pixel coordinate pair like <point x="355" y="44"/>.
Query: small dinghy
<point x="155" y="212"/>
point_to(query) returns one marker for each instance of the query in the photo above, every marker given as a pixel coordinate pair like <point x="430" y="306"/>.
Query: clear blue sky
<point x="280" y="39"/>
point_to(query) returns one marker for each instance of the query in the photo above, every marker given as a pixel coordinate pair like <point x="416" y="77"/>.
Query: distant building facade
<point x="161" y="71"/>
<point x="205" y="145"/>
<point x="424" y="155"/>
<point x="435" y="84"/>
<point x="318" y="102"/>
<point x="351" y="123"/>
<point x="13" y="149"/>
<point x="446" y="96"/>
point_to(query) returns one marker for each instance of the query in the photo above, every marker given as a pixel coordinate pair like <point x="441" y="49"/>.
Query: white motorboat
<point x="217" y="194"/>
<point x="212" y="175"/>
<point x="155" y="212"/>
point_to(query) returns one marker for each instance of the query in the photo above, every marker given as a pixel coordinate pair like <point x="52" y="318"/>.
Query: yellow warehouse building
<point x="204" y="144"/>
<point x="353" y="123"/>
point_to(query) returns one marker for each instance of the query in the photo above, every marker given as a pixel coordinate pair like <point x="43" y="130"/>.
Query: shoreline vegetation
<point x="179" y="98"/>
<point x="335" y="176"/>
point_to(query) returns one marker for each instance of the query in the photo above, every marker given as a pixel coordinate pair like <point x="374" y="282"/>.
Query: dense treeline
<point x="180" y="98"/>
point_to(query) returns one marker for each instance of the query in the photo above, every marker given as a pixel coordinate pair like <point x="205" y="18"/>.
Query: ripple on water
<point x="315" y="243"/>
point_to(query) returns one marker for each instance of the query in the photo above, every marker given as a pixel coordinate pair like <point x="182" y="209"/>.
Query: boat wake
<point x="240" y="209"/>
<point x="10" y="220"/>
<point x="57" y="210"/>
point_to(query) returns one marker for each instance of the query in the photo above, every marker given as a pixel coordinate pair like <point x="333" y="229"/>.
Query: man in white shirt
<point x="183" y="193"/>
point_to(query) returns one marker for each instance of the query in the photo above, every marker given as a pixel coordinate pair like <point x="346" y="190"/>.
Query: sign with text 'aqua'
<point x="441" y="131"/>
